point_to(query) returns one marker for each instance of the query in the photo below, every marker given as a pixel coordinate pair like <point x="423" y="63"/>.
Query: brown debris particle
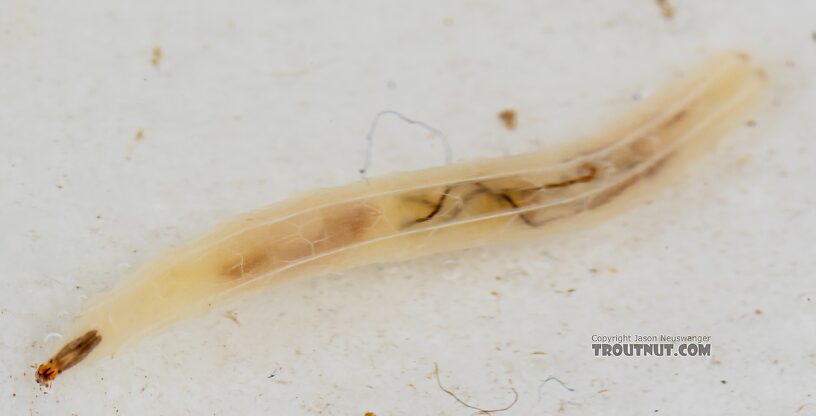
<point x="137" y="137"/>
<point x="750" y="123"/>
<point x="232" y="316"/>
<point x="666" y="9"/>
<point x="813" y="35"/>
<point x="508" y="117"/>
<point x="744" y="160"/>
<point x="156" y="58"/>
<point x="757" y="311"/>
<point x="370" y="414"/>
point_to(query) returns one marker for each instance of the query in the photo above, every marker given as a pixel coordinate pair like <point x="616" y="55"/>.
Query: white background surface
<point x="257" y="100"/>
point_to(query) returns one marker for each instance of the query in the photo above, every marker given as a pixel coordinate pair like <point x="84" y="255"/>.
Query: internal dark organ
<point x="473" y="198"/>
<point x="484" y="197"/>
<point x="454" y="200"/>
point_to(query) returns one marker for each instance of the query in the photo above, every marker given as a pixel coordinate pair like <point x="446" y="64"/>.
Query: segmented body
<point x="410" y="214"/>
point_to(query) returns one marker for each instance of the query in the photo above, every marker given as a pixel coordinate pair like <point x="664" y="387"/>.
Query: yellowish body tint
<point x="415" y="213"/>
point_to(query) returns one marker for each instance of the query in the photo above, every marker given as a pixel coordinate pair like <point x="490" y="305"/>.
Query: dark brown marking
<point x="510" y="201"/>
<point x="614" y="191"/>
<point x="437" y="207"/>
<point x="480" y="189"/>
<point x="523" y="215"/>
<point x="504" y="196"/>
<point x="70" y="355"/>
<point x="581" y="179"/>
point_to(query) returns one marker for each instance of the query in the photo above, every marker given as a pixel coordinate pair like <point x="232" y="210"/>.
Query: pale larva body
<point x="409" y="214"/>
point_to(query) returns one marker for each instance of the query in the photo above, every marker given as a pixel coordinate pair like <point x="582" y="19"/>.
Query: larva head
<point x="68" y="356"/>
<point x="46" y="372"/>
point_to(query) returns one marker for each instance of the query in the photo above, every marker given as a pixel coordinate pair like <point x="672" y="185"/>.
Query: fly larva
<point x="410" y="214"/>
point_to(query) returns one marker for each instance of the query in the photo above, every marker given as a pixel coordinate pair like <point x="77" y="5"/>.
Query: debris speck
<point x="156" y="58"/>
<point x="370" y="414"/>
<point x="750" y="123"/>
<point x="744" y="160"/>
<point x="232" y="316"/>
<point x="509" y="118"/>
<point x="723" y="382"/>
<point x="469" y="406"/>
<point x="138" y="136"/>
<point x="666" y="9"/>
<point x="568" y="388"/>
<point x="757" y="311"/>
<point x="370" y="138"/>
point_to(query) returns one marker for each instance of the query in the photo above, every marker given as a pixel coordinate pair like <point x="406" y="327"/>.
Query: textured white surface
<point x="253" y="101"/>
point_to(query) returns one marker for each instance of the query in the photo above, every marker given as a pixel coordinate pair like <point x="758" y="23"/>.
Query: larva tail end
<point x="68" y="356"/>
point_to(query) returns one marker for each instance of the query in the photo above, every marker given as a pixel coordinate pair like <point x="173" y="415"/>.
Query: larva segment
<point x="270" y="247"/>
<point x="410" y="214"/>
